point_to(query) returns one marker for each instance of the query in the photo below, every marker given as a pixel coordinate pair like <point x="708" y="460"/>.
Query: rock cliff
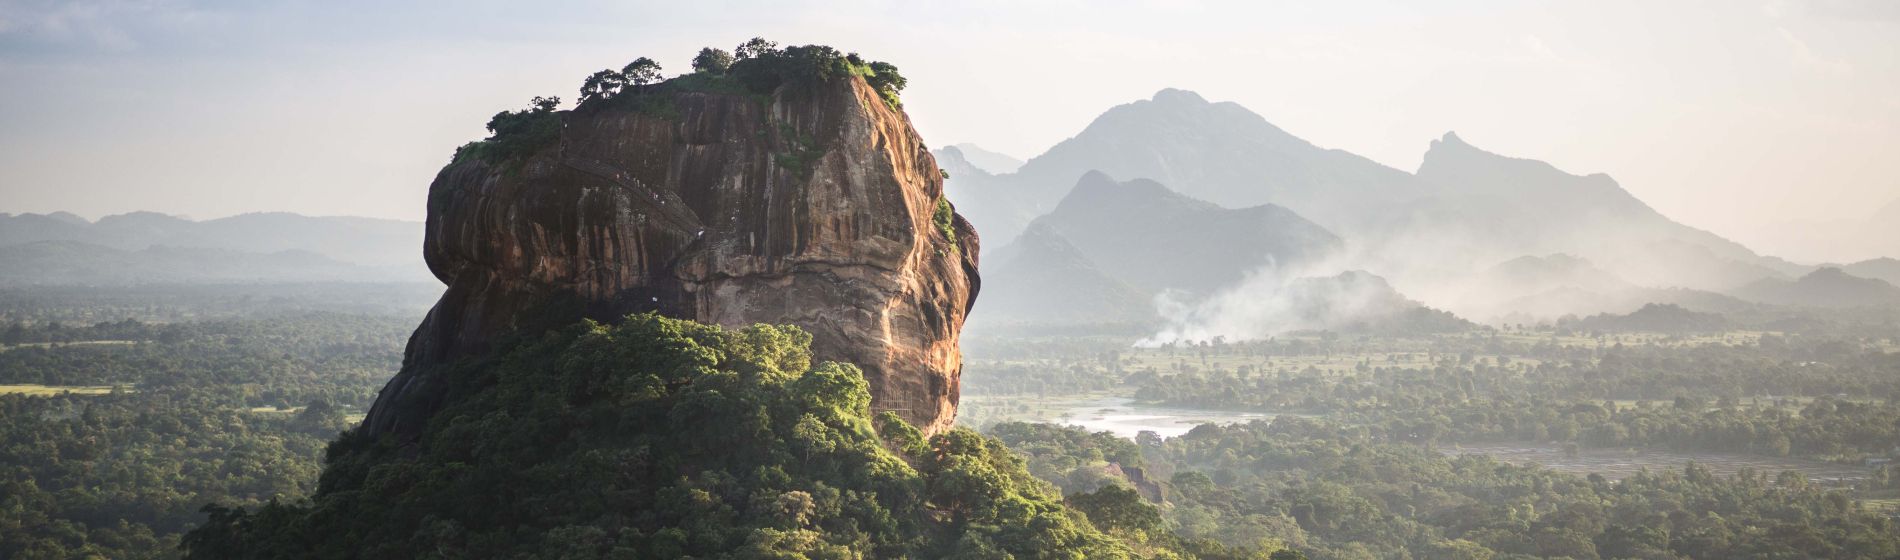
<point x="817" y="205"/>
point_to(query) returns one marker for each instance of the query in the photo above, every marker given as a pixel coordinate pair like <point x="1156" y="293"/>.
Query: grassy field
<point x="49" y="390"/>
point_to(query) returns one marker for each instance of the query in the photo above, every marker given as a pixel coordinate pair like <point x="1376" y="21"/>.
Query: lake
<point x="1120" y="415"/>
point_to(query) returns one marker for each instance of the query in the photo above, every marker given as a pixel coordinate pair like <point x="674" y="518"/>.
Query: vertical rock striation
<point x="815" y="206"/>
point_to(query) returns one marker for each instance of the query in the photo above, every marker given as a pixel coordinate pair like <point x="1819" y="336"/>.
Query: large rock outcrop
<point x="817" y="206"/>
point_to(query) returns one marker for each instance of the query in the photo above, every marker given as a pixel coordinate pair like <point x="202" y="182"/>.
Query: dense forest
<point x="114" y="436"/>
<point x="122" y="436"/>
<point x="1335" y="493"/>
<point x="662" y="438"/>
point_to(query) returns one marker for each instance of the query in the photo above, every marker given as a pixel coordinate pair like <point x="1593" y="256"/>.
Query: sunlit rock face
<point x="816" y="206"/>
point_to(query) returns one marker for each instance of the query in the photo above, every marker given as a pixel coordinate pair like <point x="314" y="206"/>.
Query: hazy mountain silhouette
<point x="86" y="264"/>
<point x="1110" y="241"/>
<point x="1655" y="317"/>
<point x="1506" y="205"/>
<point x="1884" y="268"/>
<point x="1044" y="279"/>
<point x="997" y="212"/>
<point x="1463" y="211"/>
<point x="1152" y="238"/>
<point x="988" y="161"/>
<point x="366" y="241"/>
<point x="1265" y="306"/>
<point x="1218" y="152"/>
<point x="1827" y="287"/>
<point x="1528" y="275"/>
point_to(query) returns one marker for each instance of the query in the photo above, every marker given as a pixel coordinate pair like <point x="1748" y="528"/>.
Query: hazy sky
<point x="1731" y="115"/>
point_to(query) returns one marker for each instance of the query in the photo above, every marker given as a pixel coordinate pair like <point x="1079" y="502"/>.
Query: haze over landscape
<point x="1738" y="117"/>
<point x="1161" y="280"/>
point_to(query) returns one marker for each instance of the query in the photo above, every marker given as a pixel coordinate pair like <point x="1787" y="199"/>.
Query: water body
<point x="1124" y="417"/>
<point x="1616" y="464"/>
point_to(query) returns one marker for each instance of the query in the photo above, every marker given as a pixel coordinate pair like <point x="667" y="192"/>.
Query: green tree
<point x="601" y="85"/>
<point x="641" y="71"/>
<point x="755" y="47"/>
<point x="712" y="61"/>
<point x="1116" y="507"/>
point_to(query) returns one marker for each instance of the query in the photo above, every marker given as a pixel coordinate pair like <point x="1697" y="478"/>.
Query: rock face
<point x="816" y="206"/>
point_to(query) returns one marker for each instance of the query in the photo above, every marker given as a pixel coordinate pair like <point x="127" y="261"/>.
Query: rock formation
<point x="817" y="206"/>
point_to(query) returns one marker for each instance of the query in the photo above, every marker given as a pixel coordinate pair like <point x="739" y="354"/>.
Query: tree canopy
<point x="662" y="438"/>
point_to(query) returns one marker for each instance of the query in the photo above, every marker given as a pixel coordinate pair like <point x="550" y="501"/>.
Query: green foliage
<point x="712" y="61"/>
<point x="1331" y="491"/>
<point x="515" y="135"/>
<point x="601" y="85"/>
<point x="663" y="438"/>
<point x="802" y="152"/>
<point x="888" y="83"/>
<point x="763" y="67"/>
<point x="207" y="412"/>
<point x="641" y="71"/>
<point x="1118" y="508"/>
<point x="945" y="219"/>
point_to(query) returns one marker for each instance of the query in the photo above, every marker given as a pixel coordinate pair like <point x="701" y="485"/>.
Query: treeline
<point x="661" y="438"/>
<point x="180" y="303"/>
<point x="234" y="411"/>
<point x="286" y="361"/>
<point x="1339" y="493"/>
<point x="1766" y="398"/>
<point x="756" y="68"/>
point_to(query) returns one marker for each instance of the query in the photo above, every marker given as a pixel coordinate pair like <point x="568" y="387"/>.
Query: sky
<point x="1742" y="117"/>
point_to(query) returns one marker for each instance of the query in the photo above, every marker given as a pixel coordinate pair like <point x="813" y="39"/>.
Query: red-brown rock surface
<point x="813" y="207"/>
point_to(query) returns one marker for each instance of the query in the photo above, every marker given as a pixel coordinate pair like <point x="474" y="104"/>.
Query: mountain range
<point x="148" y="247"/>
<point x="1110" y="246"/>
<point x="1439" y="233"/>
<point x="1826" y="287"/>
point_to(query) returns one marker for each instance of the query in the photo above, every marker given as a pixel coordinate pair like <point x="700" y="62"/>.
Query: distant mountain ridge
<point x="367" y="241"/>
<point x="988" y="161"/>
<point x="1127" y="241"/>
<point x="1883" y="268"/>
<point x="75" y="263"/>
<point x="1827" y="287"/>
<point x="149" y="247"/>
<point x="1217" y="152"/>
<point x="1462" y="211"/>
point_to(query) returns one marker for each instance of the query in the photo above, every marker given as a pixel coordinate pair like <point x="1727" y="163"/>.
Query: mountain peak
<point x="1098" y="190"/>
<point x="1172" y="96"/>
<point x="1451" y="140"/>
<point x="990" y="161"/>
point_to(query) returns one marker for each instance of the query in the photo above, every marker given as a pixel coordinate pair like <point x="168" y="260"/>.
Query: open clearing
<point x="49" y="390"/>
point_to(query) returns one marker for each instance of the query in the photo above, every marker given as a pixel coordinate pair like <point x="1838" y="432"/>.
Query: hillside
<point x="1043" y="279"/>
<point x="1154" y="239"/>
<point x="1884" y="269"/>
<point x="1354" y="301"/>
<point x="1507" y="205"/>
<point x="1217" y="152"/>
<point x="1827" y="287"/>
<point x="1463" y="211"/>
<point x="73" y="263"/>
<point x="1662" y="318"/>
<point x="661" y="438"/>
<point x="990" y="162"/>
<point x="364" y="241"/>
